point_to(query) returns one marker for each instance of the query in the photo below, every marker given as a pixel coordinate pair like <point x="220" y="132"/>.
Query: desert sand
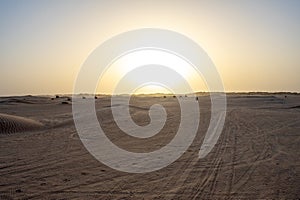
<point x="256" y="156"/>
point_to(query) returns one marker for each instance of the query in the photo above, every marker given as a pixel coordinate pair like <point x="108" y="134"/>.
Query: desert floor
<point x="256" y="157"/>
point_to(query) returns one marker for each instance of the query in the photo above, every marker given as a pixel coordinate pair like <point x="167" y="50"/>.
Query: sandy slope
<point x="12" y="124"/>
<point x="256" y="157"/>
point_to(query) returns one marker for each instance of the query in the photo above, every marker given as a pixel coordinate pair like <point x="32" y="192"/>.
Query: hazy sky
<point x="254" y="44"/>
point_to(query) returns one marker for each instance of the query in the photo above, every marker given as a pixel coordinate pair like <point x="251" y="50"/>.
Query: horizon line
<point x="152" y="94"/>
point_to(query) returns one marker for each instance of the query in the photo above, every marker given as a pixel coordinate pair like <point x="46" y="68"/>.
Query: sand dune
<point x="12" y="124"/>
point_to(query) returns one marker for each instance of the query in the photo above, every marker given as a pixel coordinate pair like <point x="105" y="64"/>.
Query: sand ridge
<point x="13" y="124"/>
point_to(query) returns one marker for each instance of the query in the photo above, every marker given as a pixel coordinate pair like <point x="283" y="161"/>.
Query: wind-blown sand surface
<point x="256" y="157"/>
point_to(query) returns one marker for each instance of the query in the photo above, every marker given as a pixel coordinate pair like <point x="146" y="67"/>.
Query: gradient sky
<point x="254" y="44"/>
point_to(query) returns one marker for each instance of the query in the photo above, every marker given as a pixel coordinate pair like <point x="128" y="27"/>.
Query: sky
<point x="255" y="45"/>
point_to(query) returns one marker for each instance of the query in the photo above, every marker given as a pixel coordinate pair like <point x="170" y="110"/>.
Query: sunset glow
<point x="255" y="45"/>
<point x="135" y="59"/>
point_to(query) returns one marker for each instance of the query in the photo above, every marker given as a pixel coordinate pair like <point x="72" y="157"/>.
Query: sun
<point x="132" y="60"/>
<point x="152" y="89"/>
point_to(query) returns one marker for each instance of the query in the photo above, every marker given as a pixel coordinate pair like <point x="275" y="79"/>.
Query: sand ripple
<point x="13" y="124"/>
